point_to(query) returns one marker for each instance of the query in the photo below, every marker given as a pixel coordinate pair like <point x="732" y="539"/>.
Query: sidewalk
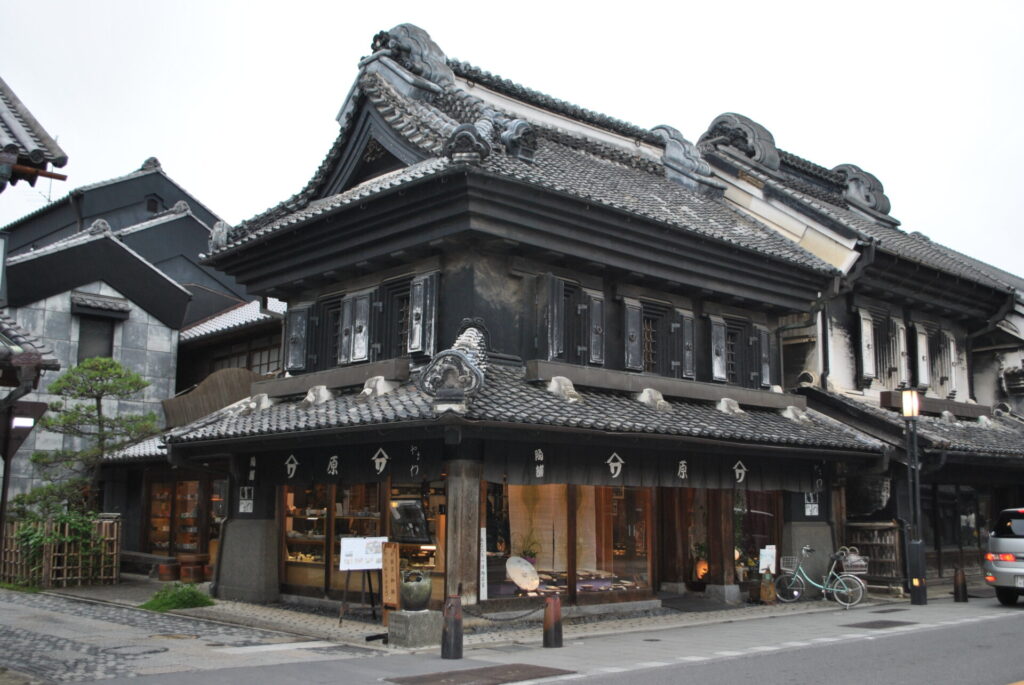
<point x="478" y="632"/>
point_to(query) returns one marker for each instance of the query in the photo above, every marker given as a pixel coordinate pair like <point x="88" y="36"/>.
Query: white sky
<point x="238" y="99"/>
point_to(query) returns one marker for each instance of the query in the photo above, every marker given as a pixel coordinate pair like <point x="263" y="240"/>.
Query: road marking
<point x="796" y="644"/>
<point x="611" y="669"/>
<point x="729" y="653"/>
<point x="278" y="647"/>
<point x="693" y="658"/>
<point x="765" y="648"/>
<point x="650" y="664"/>
<point x="825" y="639"/>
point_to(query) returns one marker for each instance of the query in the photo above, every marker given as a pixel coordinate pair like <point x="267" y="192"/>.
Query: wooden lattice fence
<point x="57" y="562"/>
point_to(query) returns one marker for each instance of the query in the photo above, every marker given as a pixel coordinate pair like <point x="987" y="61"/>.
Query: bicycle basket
<point x="855" y="563"/>
<point x="788" y="564"/>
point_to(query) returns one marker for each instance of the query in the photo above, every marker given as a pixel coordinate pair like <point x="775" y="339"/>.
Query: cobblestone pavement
<point x="61" y="639"/>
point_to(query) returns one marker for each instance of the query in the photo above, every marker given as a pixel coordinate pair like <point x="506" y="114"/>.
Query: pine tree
<point x="76" y="471"/>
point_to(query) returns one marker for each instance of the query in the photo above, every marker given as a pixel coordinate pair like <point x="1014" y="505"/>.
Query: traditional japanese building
<point x="517" y="327"/>
<point x="907" y="313"/>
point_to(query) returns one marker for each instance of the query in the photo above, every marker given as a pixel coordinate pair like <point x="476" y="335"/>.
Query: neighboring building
<point x="906" y="313"/>
<point x="99" y="299"/>
<point x="153" y="216"/>
<point x="517" y="327"/>
<point x="26" y="149"/>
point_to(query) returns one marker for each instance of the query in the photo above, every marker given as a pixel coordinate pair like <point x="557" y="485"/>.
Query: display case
<point x="186" y="517"/>
<point x="880" y="543"/>
<point x="160" y="512"/>
<point x="305" y="535"/>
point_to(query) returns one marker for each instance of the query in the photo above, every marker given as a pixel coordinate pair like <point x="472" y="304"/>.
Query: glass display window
<point x="216" y="509"/>
<point x="756" y="524"/>
<point x="613" y="526"/>
<point x="356" y="513"/>
<point x="538" y="529"/>
<point x="305" y="533"/>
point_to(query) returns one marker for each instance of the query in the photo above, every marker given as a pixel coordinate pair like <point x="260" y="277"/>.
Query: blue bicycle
<point x="845" y="588"/>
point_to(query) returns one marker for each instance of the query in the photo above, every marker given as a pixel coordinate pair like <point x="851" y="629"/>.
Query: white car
<point x="1004" y="561"/>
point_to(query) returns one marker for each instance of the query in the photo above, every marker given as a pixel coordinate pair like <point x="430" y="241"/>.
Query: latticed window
<point x="732" y="340"/>
<point x="650" y="343"/>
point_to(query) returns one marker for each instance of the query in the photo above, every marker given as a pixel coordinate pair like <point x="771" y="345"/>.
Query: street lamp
<point x="915" y="547"/>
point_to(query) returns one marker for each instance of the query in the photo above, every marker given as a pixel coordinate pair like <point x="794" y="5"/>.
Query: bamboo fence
<point x="63" y="564"/>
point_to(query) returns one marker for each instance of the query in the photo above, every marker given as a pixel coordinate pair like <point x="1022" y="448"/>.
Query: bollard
<point x="451" y="633"/>
<point x="553" y="621"/>
<point x="959" y="586"/>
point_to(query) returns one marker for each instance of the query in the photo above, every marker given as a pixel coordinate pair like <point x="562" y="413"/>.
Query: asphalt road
<point x="56" y="639"/>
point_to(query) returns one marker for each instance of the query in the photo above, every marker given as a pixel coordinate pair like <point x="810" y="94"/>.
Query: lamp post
<point x="915" y="547"/>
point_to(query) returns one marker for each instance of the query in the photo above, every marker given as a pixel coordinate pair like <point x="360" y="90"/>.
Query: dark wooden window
<point x="262" y="355"/>
<point x="393" y="311"/>
<point x="95" y="337"/>
<point x="732" y="341"/>
<point x="570" y="321"/>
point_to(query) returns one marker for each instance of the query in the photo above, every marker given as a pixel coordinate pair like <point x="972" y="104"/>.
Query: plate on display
<point x="522" y="573"/>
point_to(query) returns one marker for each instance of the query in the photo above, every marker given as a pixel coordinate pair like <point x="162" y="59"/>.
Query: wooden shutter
<point x="901" y="354"/>
<point x="718" y="370"/>
<point x="551" y="317"/>
<point x="422" y="314"/>
<point x="595" y="325"/>
<point x="297" y="337"/>
<point x="954" y="365"/>
<point x="868" y="368"/>
<point x="922" y="359"/>
<point x="633" y="330"/>
<point x="354" y="338"/>
<point x="683" y="363"/>
<point x="764" y="355"/>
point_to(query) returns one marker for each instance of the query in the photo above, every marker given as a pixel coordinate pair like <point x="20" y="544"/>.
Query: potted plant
<point x="528" y="546"/>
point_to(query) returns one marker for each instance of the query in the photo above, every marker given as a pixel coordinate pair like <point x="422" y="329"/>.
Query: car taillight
<point x="990" y="579"/>
<point x="989" y="556"/>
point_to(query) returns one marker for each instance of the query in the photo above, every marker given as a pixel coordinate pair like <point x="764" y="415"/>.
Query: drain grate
<point x="133" y="650"/>
<point x="887" y="611"/>
<point x="491" y="675"/>
<point x="175" y="636"/>
<point x="879" y="625"/>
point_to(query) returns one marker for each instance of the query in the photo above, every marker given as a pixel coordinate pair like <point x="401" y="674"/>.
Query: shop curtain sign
<point x="615" y="463"/>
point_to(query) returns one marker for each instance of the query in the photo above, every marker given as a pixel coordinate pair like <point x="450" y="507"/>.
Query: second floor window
<point x="393" y="319"/>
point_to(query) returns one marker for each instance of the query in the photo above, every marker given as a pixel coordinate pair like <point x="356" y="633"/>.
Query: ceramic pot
<point x="415" y="590"/>
<point x="168" y="571"/>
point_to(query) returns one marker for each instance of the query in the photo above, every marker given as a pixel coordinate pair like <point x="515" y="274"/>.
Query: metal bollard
<point x="553" y="621"/>
<point x="451" y="633"/>
<point x="959" y="586"/>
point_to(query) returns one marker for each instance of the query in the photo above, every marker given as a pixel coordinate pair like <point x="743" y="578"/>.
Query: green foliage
<point x="177" y="596"/>
<point x="74" y="530"/>
<point x="96" y="432"/>
<point x="51" y="499"/>
<point x="20" y="588"/>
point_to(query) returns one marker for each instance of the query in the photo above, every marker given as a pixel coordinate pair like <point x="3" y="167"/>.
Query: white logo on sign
<point x="291" y="464"/>
<point x="740" y="470"/>
<point x="538" y="467"/>
<point x="380" y="460"/>
<point x="332" y="465"/>
<point x="682" y="472"/>
<point x="245" y="492"/>
<point x="252" y="468"/>
<point x="615" y="463"/>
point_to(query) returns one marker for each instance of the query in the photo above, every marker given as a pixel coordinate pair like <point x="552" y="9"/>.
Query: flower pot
<point x="191" y="574"/>
<point x="415" y="590"/>
<point x="168" y="571"/>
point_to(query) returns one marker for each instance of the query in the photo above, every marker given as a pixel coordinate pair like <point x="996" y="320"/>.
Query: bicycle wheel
<point x="789" y="588"/>
<point x="847" y="590"/>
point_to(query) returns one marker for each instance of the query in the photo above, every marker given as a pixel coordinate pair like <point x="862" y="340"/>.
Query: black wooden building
<point x="517" y="327"/>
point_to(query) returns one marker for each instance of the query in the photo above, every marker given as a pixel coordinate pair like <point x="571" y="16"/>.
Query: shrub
<point x="177" y="596"/>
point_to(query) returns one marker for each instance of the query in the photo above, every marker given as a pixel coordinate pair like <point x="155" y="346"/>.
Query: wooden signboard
<point x="390" y="577"/>
<point x="360" y="554"/>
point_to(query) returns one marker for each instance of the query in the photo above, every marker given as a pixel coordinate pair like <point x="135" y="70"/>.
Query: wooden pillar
<point x="463" y="548"/>
<point x="721" y="546"/>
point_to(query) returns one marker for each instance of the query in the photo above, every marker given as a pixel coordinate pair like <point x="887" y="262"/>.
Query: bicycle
<point x="845" y="588"/>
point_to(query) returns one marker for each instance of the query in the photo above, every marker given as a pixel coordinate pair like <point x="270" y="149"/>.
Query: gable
<point x="372" y="148"/>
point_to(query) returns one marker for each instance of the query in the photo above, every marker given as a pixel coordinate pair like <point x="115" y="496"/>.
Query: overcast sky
<point x="238" y="99"/>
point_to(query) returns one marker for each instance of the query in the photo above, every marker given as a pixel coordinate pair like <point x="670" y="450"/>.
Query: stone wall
<point x="141" y="343"/>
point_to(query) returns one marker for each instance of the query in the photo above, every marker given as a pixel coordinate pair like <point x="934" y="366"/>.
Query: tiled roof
<point x="21" y="134"/>
<point x="506" y="397"/>
<point x="563" y="163"/>
<point x="25" y="340"/>
<point x="913" y="247"/>
<point x="150" y="449"/>
<point x="237" y="317"/>
<point x="1001" y="437"/>
<point x="112" y="304"/>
